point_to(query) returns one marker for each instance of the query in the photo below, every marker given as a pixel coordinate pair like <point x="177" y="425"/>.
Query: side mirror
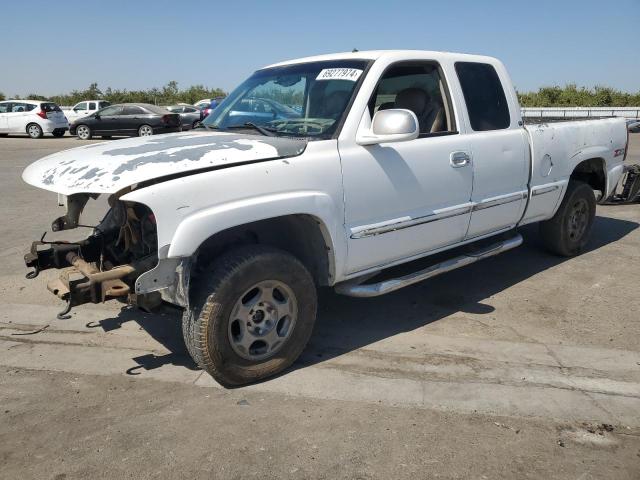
<point x="393" y="125"/>
<point x="97" y="115"/>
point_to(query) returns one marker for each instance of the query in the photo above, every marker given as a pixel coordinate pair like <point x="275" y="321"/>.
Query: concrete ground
<point x="521" y="366"/>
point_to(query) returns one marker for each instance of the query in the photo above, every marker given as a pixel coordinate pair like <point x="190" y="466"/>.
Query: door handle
<point x="459" y="159"/>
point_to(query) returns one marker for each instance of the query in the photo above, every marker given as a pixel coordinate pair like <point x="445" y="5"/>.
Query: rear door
<point x="5" y="108"/>
<point x="19" y="116"/>
<point x="131" y="119"/>
<point x="499" y="149"/>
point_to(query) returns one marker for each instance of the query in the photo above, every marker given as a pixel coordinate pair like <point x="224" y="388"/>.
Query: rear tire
<point x="145" y="131"/>
<point x="58" y="133"/>
<point x="251" y="314"/>
<point x="84" y="132"/>
<point x="34" y="130"/>
<point x="568" y="231"/>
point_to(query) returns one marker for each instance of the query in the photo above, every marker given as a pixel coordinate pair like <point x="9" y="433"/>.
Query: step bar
<point x="355" y="288"/>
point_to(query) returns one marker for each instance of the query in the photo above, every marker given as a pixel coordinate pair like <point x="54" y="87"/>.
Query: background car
<point x="127" y="119"/>
<point x="260" y="110"/>
<point x="35" y="118"/>
<point x="209" y="107"/>
<point x="633" y="125"/>
<point x="189" y="115"/>
<point x="84" y="109"/>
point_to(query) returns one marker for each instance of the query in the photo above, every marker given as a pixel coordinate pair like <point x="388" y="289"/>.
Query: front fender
<point x="201" y="225"/>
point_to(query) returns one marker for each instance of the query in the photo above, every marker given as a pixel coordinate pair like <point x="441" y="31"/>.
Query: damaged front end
<point x="105" y="265"/>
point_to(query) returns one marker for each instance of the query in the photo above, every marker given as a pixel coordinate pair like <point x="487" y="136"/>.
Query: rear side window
<point x="92" y="105"/>
<point x="5" y="107"/>
<point x="50" y="107"/>
<point x="132" y="110"/>
<point x="484" y="96"/>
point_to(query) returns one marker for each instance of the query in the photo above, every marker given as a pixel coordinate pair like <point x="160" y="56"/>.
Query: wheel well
<point x="303" y="236"/>
<point x="591" y="172"/>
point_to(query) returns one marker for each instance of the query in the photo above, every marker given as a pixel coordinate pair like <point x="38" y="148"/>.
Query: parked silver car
<point x="189" y="115"/>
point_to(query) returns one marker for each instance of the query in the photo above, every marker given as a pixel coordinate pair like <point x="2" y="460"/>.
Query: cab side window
<point x="80" y="107"/>
<point x="484" y="96"/>
<point x="419" y="87"/>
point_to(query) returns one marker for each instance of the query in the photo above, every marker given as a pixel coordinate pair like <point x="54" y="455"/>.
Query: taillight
<point x="42" y="114"/>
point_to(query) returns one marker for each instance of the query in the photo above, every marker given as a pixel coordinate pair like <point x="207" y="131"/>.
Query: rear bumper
<point x="48" y="126"/>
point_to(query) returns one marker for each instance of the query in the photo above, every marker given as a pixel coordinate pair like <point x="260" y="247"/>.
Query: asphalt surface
<point x="521" y="366"/>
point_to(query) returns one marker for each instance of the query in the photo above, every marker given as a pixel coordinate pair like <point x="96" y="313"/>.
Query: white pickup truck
<point x="84" y="109"/>
<point x="322" y="171"/>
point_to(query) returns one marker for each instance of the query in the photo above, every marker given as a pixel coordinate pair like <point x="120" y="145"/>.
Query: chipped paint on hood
<point x="108" y="167"/>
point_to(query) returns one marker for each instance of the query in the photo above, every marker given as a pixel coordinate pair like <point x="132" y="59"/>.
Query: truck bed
<point x="557" y="147"/>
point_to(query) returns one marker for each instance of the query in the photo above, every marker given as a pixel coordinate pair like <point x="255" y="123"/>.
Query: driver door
<point x="404" y="199"/>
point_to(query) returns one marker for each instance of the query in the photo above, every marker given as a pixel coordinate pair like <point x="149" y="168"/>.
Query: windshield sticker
<point x="351" y="74"/>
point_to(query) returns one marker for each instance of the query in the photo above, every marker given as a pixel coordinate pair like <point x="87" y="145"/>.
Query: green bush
<point x="572" y="96"/>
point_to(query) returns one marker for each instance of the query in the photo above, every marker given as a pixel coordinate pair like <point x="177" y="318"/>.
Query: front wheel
<point x="83" y="132"/>
<point x="251" y="315"/>
<point x="145" y="131"/>
<point x="34" y="130"/>
<point x="567" y="232"/>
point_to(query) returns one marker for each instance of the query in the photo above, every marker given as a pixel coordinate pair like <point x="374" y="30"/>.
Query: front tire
<point x="568" y="231"/>
<point x="84" y="132"/>
<point x="34" y="130"/>
<point x="145" y="131"/>
<point x="251" y="314"/>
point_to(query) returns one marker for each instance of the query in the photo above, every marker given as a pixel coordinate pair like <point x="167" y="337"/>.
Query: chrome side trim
<point x="543" y="190"/>
<point x="500" y="201"/>
<point x="356" y="289"/>
<point x="391" y="227"/>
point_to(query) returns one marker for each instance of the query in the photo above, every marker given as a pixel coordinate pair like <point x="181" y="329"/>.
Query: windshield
<point x="302" y="100"/>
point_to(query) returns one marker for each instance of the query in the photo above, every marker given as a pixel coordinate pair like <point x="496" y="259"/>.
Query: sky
<point x="49" y="47"/>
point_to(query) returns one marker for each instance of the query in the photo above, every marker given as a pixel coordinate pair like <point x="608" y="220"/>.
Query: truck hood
<point x="108" y="167"/>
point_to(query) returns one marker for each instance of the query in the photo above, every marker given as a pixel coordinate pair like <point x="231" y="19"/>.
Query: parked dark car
<point x="189" y="115"/>
<point x="127" y="119"/>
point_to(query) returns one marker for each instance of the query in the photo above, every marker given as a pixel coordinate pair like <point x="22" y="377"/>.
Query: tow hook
<point x="84" y="283"/>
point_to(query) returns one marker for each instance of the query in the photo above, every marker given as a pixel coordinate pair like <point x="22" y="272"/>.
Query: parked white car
<point x="389" y="157"/>
<point x="35" y="118"/>
<point x="84" y="109"/>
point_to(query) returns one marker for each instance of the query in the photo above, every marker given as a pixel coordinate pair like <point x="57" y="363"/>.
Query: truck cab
<point x="84" y="109"/>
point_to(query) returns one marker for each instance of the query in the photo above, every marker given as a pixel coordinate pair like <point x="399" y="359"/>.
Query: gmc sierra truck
<point x="323" y="171"/>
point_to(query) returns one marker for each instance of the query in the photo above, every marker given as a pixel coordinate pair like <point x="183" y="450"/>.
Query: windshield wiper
<point x="269" y="132"/>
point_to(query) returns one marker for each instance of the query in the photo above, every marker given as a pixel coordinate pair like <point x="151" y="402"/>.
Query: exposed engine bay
<point x="106" y="264"/>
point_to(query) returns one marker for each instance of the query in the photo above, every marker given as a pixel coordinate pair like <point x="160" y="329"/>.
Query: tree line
<point x="568" y="96"/>
<point x="168" y="95"/>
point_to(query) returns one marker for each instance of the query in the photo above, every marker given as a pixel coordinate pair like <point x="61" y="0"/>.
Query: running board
<point x="355" y="288"/>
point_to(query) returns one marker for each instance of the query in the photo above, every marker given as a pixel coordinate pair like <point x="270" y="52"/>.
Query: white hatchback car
<point x="33" y="117"/>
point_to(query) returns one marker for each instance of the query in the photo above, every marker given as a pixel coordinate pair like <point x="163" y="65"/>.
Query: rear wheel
<point x="251" y="315"/>
<point x="145" y="131"/>
<point x="58" y="133"/>
<point x="83" y="132"/>
<point x="34" y="130"/>
<point x="567" y="232"/>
